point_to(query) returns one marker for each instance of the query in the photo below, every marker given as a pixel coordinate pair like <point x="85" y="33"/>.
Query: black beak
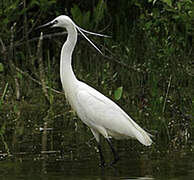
<point x="49" y="24"/>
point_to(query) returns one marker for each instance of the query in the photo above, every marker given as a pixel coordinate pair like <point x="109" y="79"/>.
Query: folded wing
<point x="106" y="117"/>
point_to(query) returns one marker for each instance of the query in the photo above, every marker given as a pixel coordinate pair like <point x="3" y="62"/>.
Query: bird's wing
<point x="98" y="110"/>
<point x="92" y="106"/>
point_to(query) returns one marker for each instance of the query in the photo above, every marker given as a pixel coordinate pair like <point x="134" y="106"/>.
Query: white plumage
<point x="98" y="112"/>
<point x="105" y="117"/>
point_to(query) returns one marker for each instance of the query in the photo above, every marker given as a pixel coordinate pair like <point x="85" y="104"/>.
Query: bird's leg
<point x="102" y="161"/>
<point x="116" y="157"/>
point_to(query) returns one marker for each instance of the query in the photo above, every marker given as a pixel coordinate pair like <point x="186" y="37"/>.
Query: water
<point x="65" y="151"/>
<point x="80" y="161"/>
<point x="51" y="167"/>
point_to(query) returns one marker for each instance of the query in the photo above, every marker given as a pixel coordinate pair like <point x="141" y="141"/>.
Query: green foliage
<point x="168" y="2"/>
<point x="151" y="41"/>
<point x="83" y="19"/>
<point x="3" y="126"/>
<point x="87" y="19"/>
<point x="1" y="68"/>
<point x="3" y="95"/>
<point x="44" y="5"/>
<point x="118" y="93"/>
<point x="2" y="132"/>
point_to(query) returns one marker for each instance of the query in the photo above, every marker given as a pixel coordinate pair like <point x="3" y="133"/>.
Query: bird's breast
<point x="70" y="94"/>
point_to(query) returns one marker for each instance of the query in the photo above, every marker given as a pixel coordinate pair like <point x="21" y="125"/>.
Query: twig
<point x="112" y="58"/>
<point x="169" y="83"/>
<point x="3" y="51"/>
<point x="41" y="68"/>
<point x="47" y="36"/>
<point x="26" y="31"/>
<point x="4" y="93"/>
<point x="11" y="64"/>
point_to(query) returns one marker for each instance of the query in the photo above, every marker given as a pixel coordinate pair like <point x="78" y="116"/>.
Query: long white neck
<point x="66" y="73"/>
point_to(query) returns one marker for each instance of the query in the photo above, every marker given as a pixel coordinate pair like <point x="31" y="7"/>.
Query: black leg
<point x="116" y="157"/>
<point x="102" y="161"/>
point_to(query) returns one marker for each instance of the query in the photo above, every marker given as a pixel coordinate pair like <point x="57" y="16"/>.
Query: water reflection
<point x="55" y="166"/>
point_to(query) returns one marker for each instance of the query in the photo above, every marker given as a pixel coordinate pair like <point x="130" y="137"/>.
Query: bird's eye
<point x="56" y="21"/>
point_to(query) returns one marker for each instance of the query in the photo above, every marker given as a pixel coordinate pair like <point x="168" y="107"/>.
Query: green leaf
<point x="1" y="68"/>
<point x="168" y="2"/>
<point x="148" y="24"/>
<point x="153" y="1"/>
<point x="86" y="19"/>
<point x="99" y="11"/>
<point x="118" y="93"/>
<point x="77" y="15"/>
<point x="19" y="75"/>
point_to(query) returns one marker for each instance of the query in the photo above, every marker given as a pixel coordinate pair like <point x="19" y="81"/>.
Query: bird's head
<point x="60" y="21"/>
<point x="65" y="22"/>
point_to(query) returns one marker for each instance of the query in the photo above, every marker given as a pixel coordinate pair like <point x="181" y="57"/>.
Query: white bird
<point x="98" y="112"/>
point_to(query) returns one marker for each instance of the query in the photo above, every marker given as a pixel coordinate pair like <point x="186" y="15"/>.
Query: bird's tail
<point x="141" y="135"/>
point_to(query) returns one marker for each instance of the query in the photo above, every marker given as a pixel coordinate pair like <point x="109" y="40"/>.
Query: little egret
<point x="98" y="112"/>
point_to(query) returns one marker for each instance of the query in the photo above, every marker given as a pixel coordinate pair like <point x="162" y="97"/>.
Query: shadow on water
<point x="43" y="145"/>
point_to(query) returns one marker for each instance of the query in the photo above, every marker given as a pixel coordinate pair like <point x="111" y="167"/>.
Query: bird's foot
<point x="114" y="161"/>
<point x="103" y="164"/>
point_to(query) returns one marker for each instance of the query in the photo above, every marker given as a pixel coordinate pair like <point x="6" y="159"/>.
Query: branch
<point x="118" y="61"/>
<point x="41" y="67"/>
<point x="11" y="64"/>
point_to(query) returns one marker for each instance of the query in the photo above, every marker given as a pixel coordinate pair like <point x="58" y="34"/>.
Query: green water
<point x="66" y="151"/>
<point x="172" y="166"/>
<point x="69" y="155"/>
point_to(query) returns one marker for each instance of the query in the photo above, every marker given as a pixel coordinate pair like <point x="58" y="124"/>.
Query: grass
<point x="3" y="126"/>
<point x="3" y="94"/>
